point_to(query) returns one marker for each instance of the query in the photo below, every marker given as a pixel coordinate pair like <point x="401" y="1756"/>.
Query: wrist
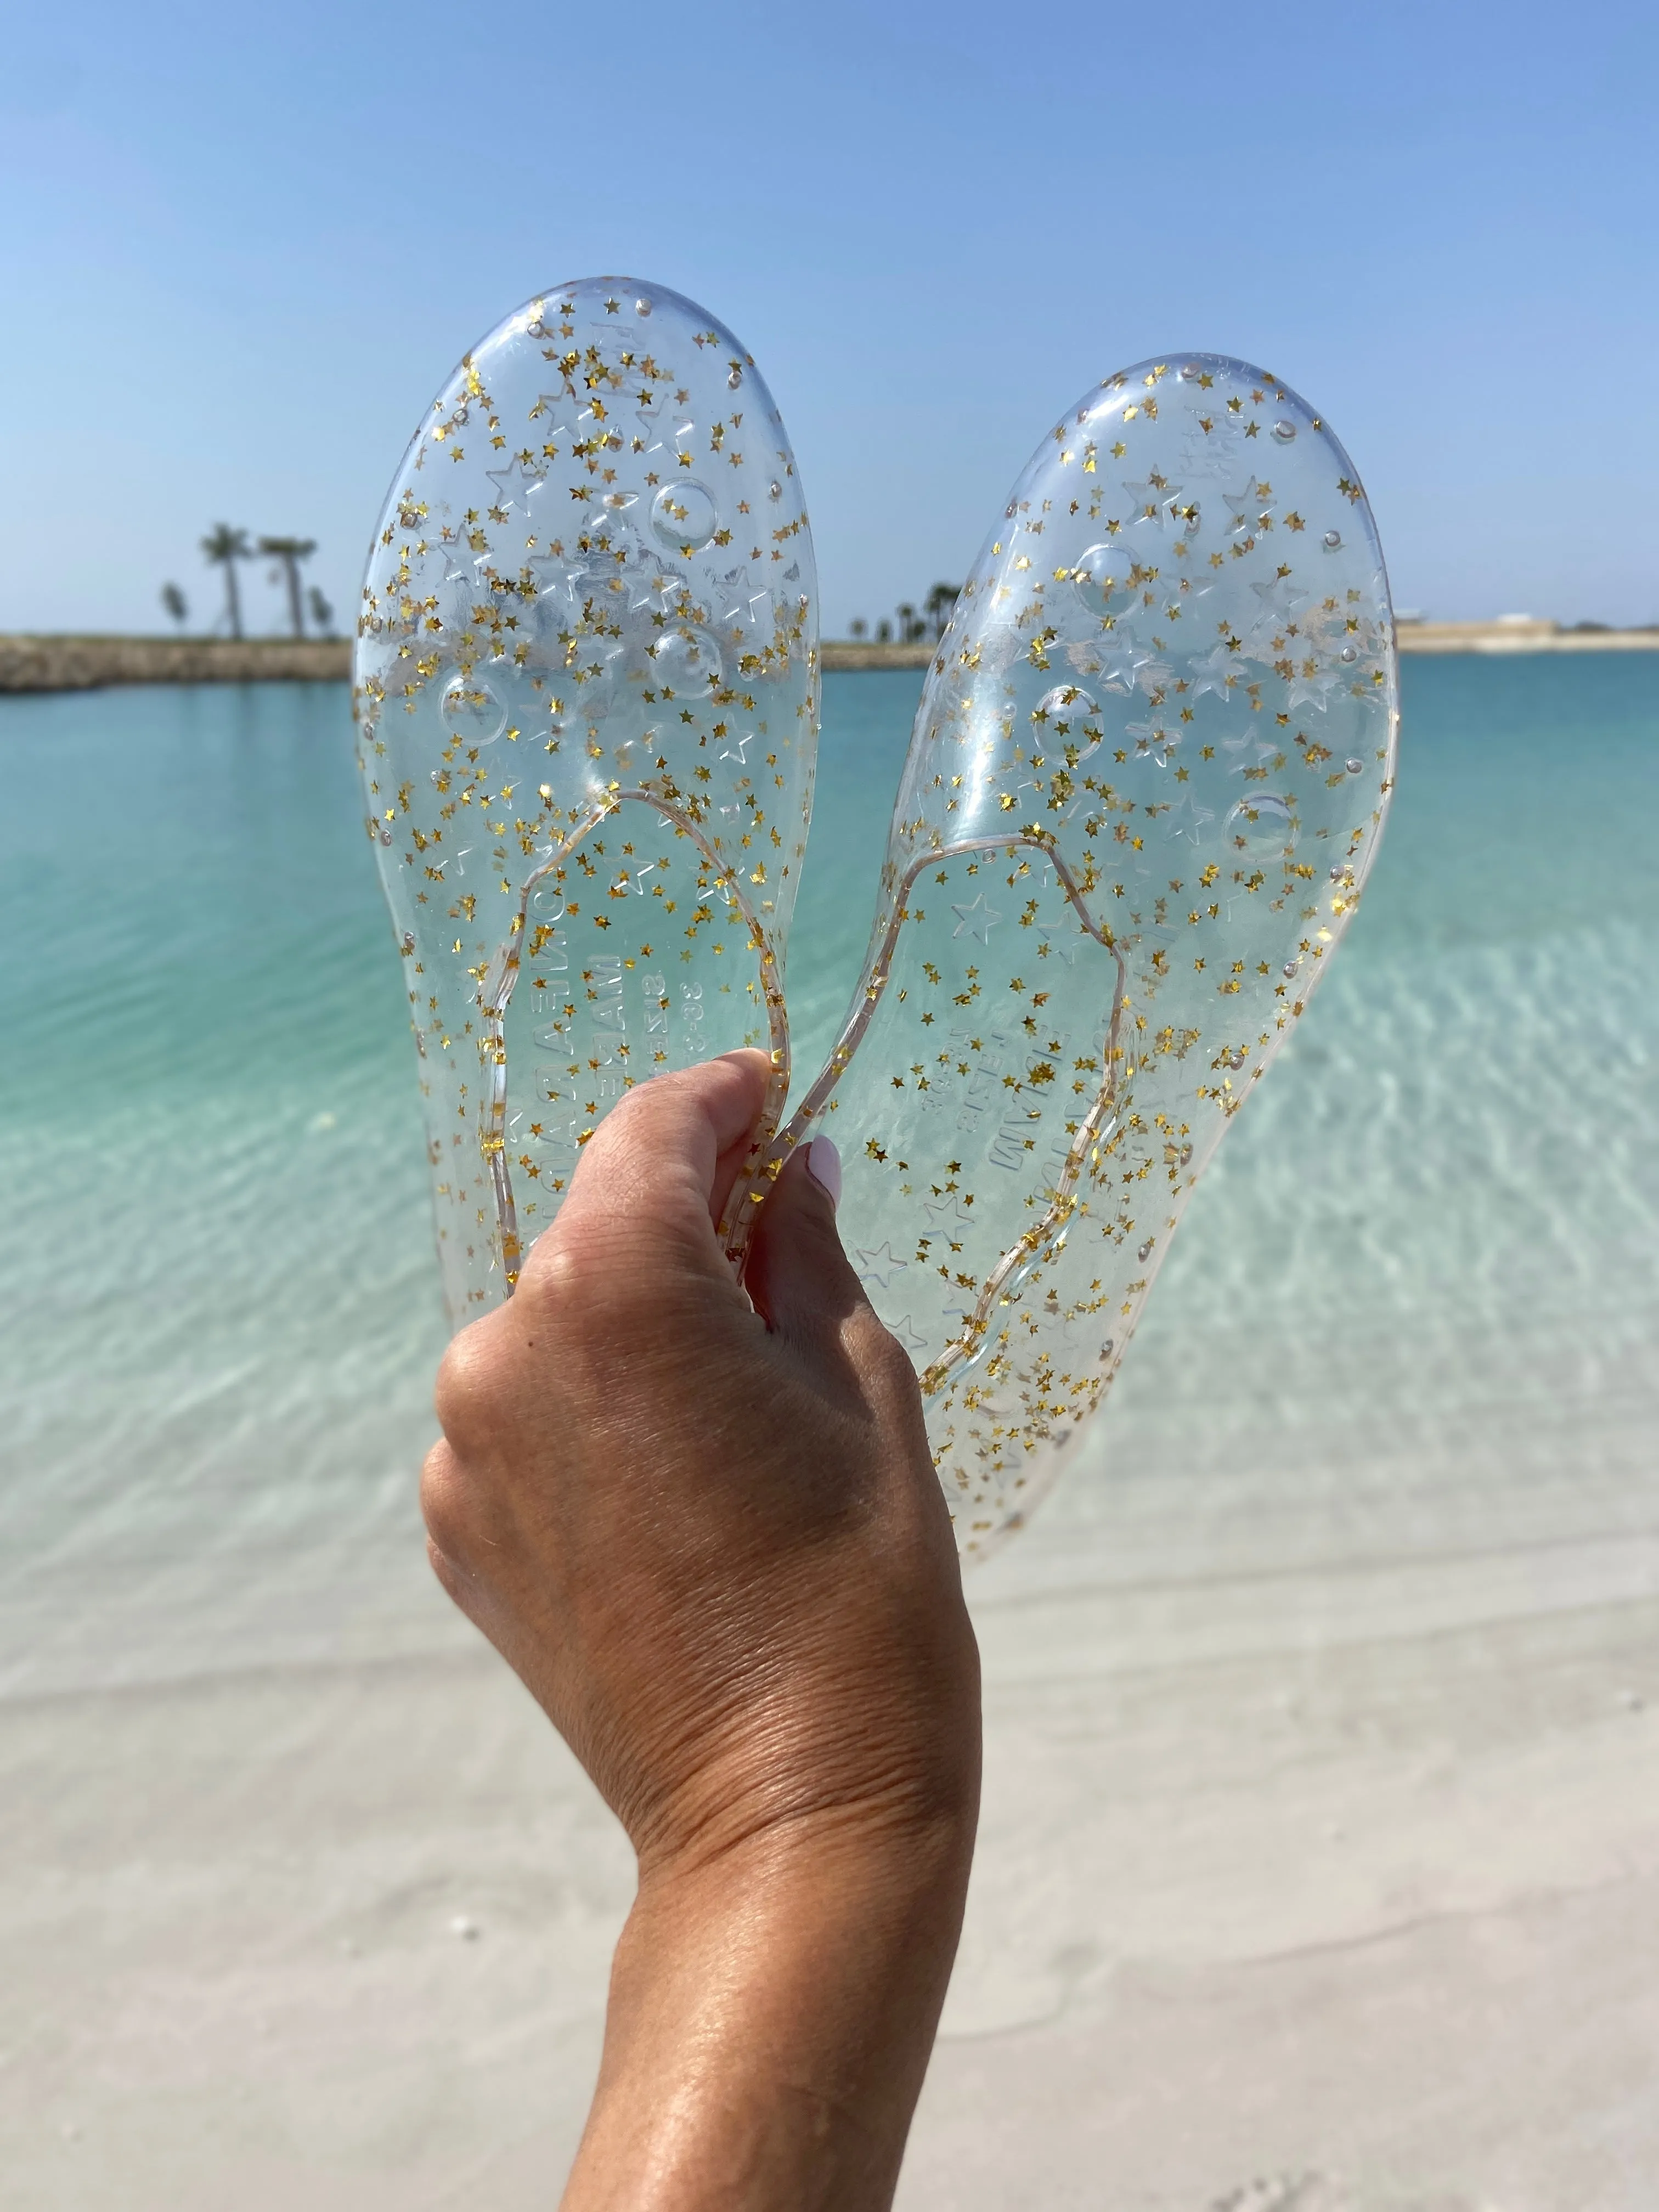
<point x="772" y="2010"/>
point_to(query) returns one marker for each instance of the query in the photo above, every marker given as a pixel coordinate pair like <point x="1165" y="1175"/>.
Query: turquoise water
<point x="1436" y="1232"/>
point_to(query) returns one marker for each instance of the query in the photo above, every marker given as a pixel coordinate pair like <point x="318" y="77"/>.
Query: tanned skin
<point x="704" y="1528"/>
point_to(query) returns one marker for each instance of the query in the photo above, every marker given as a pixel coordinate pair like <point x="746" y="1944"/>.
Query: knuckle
<point x="603" y="1273"/>
<point x="571" y="1304"/>
<point x="588" y="1259"/>
<point x="557" y="1284"/>
<point x="447" y="1506"/>
<point x="464" y="1387"/>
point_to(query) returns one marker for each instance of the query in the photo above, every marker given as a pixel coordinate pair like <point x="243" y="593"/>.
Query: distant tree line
<point x="224" y="546"/>
<point x="910" y="625"/>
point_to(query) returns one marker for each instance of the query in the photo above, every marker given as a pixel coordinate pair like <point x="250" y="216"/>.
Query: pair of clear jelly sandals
<point x="1146" y="781"/>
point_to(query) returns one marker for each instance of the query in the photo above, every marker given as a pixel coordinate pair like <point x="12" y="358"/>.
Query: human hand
<point x="710" y="1539"/>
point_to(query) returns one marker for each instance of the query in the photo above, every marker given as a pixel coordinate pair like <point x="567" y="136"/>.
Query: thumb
<point x="801" y="1281"/>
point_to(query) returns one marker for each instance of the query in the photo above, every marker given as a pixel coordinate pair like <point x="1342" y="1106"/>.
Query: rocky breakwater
<point x="63" y="663"/>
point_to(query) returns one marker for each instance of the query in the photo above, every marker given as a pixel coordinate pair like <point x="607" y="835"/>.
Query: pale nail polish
<point x="824" y="1165"/>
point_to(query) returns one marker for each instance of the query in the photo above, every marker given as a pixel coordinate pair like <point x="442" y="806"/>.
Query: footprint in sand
<point x="1318" y="2193"/>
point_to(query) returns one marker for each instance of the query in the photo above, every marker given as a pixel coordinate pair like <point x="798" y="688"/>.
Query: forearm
<point x="769" y="2026"/>
<point x="731" y="1582"/>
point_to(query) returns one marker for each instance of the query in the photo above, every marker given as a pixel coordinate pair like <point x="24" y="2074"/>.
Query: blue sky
<point x="242" y="248"/>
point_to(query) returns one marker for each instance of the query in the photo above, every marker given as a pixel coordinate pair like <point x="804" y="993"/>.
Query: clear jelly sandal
<point x="1149" y="771"/>
<point x="586" y="687"/>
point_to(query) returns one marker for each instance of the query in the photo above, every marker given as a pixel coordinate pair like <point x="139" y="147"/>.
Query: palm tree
<point x="857" y="627"/>
<point x="940" y="603"/>
<point x="290" y="552"/>
<point x="321" y="613"/>
<point x="175" y="604"/>
<point x="228" y="546"/>
<point x="912" y="629"/>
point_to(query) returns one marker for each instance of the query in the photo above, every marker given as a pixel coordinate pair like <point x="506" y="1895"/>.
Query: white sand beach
<point x="1319" y="1873"/>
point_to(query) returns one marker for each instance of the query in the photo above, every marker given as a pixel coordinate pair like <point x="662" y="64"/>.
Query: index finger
<point x="659" y="1167"/>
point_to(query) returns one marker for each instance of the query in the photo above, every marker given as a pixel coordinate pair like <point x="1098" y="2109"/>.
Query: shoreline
<point x="1412" y="637"/>
<point x="69" y="662"/>
<point x="1520" y="637"/>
